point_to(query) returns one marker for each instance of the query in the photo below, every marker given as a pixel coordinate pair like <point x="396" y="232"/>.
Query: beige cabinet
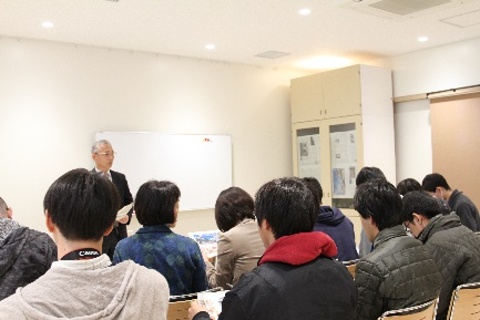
<point x="344" y="126"/>
<point x="326" y="95"/>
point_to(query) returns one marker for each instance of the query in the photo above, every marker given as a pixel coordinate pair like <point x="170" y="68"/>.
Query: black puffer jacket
<point x="456" y="250"/>
<point x="25" y="255"/>
<point x="398" y="273"/>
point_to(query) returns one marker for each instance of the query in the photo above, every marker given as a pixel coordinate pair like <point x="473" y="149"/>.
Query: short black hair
<point x="315" y="187"/>
<point x="233" y="205"/>
<point x="420" y="202"/>
<point x="407" y="185"/>
<point x="380" y="200"/>
<point x="82" y="204"/>
<point x="155" y="202"/>
<point x="288" y="205"/>
<point x="369" y="173"/>
<point x="434" y="180"/>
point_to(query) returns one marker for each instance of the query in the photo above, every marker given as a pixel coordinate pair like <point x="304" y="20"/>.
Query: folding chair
<point x="351" y="266"/>
<point x="424" y="311"/>
<point x="465" y="302"/>
<point x="178" y="310"/>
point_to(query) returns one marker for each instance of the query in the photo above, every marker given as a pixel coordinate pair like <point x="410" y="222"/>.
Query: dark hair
<point x="82" y="204"/>
<point x="315" y="187"/>
<point x="407" y="185"/>
<point x="420" y="202"/>
<point x="380" y="200"/>
<point x="434" y="180"/>
<point x="288" y="205"/>
<point x="155" y="202"/>
<point x="367" y="174"/>
<point x="233" y="205"/>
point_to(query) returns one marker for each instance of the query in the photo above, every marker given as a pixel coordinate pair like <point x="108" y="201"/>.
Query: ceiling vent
<point x="272" y="54"/>
<point x="399" y="9"/>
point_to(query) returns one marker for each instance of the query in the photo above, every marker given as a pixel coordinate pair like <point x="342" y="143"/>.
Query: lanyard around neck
<point x="82" y="254"/>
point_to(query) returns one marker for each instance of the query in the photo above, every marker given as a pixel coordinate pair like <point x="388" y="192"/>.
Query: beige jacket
<point x="238" y="252"/>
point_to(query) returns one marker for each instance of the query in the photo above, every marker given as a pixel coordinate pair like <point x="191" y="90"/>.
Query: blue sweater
<point x="177" y="258"/>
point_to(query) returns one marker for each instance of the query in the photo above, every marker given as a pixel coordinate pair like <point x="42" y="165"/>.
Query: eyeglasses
<point x="406" y="226"/>
<point x="106" y="154"/>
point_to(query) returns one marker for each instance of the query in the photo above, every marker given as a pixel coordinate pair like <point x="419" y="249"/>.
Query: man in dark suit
<point x="103" y="156"/>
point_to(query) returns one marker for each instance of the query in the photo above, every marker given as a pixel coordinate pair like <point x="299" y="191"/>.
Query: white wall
<point x="54" y="97"/>
<point x="441" y="68"/>
<point x="413" y="140"/>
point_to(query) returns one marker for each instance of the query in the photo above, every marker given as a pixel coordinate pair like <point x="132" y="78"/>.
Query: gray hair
<point x="98" y="143"/>
<point x="3" y="208"/>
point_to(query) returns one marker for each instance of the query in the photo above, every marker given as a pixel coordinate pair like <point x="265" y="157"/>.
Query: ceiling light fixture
<point x="422" y="39"/>
<point x="210" y="46"/>
<point x="304" y="11"/>
<point x="47" y="24"/>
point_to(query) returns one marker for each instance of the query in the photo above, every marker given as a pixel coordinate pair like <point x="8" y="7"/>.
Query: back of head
<point x="380" y="200"/>
<point x="407" y="185"/>
<point x="368" y="174"/>
<point x="420" y="202"/>
<point x="82" y="204"/>
<point x="155" y="202"/>
<point x="315" y="187"/>
<point x="288" y="205"/>
<point x="434" y="180"/>
<point x="233" y="205"/>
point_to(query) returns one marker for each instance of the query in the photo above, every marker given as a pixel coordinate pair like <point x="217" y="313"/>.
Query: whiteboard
<point x="200" y="165"/>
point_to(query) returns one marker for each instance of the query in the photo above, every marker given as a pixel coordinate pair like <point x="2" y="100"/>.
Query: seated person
<point x="297" y="277"/>
<point x="437" y="185"/>
<point x="334" y="223"/>
<point x="239" y="244"/>
<point x="399" y="272"/>
<point x="156" y="246"/>
<point x="25" y="254"/>
<point x="80" y="208"/>
<point x="455" y="248"/>
<point x="364" y="175"/>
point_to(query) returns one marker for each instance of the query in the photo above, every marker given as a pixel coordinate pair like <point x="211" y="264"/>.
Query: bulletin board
<point x="200" y="165"/>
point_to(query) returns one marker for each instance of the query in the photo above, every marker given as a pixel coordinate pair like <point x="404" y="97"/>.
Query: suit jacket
<point x="120" y="181"/>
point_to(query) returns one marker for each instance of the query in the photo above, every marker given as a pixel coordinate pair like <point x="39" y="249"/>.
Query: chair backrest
<point x="465" y="302"/>
<point x="424" y="311"/>
<point x="178" y="310"/>
<point x="351" y="266"/>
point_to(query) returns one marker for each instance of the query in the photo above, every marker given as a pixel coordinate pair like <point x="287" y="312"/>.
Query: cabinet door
<point x="310" y="153"/>
<point x="306" y="98"/>
<point x="342" y="92"/>
<point x="345" y="158"/>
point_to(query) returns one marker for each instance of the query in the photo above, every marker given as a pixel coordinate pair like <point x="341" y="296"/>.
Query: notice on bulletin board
<point x="308" y="155"/>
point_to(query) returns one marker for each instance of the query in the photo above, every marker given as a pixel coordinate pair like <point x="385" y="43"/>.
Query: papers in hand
<point x="122" y="213"/>
<point x="212" y="301"/>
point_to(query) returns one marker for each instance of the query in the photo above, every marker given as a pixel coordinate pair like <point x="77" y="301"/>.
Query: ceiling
<point x="357" y="30"/>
